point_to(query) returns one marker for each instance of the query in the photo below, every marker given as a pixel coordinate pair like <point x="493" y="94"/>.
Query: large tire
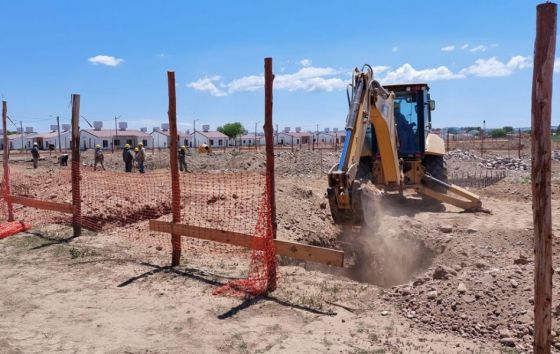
<point x="437" y="168"/>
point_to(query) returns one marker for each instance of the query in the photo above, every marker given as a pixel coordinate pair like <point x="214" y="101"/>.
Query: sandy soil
<point x="428" y="280"/>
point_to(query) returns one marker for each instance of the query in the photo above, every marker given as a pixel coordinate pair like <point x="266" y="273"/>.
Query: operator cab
<point x="413" y="108"/>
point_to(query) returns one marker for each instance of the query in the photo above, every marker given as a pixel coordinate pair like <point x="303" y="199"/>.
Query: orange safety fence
<point x="120" y="204"/>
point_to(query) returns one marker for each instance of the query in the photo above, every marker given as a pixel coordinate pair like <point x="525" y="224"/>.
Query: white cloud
<point x="395" y="49"/>
<point x="448" y="48"/>
<point x="379" y="69"/>
<point x="479" y="48"/>
<point x="105" y="60"/>
<point x="247" y="84"/>
<point x="305" y="62"/>
<point x="493" y="67"/>
<point x="307" y="78"/>
<point x="464" y="46"/>
<point x="520" y="62"/>
<point x="160" y="55"/>
<point x="407" y="73"/>
<point x="206" y="84"/>
<point x="557" y="65"/>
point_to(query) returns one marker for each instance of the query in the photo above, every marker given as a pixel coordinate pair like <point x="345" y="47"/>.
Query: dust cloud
<point x="384" y="252"/>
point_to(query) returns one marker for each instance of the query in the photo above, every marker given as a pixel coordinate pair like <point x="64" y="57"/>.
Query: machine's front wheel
<point x="437" y="168"/>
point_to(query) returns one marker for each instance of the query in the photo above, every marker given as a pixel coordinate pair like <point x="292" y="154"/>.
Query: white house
<point x="16" y="141"/>
<point x="106" y="138"/>
<point x="210" y="138"/>
<point x="162" y="138"/>
<point x="46" y="140"/>
<point x="297" y="138"/>
<point x="249" y="140"/>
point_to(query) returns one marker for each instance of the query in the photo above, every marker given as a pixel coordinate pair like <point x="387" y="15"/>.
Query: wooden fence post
<point x="268" y="81"/>
<point x="76" y="194"/>
<point x="268" y="86"/>
<point x="519" y="144"/>
<point x="541" y="105"/>
<point x="175" y="185"/>
<point x="6" y="182"/>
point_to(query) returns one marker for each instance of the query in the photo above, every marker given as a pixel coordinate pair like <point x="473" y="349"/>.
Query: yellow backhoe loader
<point x="389" y="147"/>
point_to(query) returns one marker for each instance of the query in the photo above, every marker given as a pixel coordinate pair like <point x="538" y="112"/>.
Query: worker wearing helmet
<point x="98" y="157"/>
<point x="128" y="157"/>
<point x="35" y="154"/>
<point x="141" y="157"/>
<point x="182" y="156"/>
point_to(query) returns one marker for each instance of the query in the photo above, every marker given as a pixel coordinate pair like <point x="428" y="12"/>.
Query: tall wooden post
<point x="268" y="81"/>
<point x="541" y="105"/>
<point x="76" y="195"/>
<point x="59" y="140"/>
<point x="519" y="143"/>
<point x="175" y="185"/>
<point x="6" y="182"/>
<point x="447" y="140"/>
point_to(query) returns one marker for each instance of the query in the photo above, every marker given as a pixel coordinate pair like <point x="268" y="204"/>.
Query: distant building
<point x="106" y="138"/>
<point x="16" y="141"/>
<point x="47" y="140"/>
<point x="210" y="138"/>
<point x="297" y="138"/>
<point x="249" y="140"/>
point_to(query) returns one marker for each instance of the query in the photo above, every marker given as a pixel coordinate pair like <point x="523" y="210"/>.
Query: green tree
<point x="232" y="129"/>
<point x="497" y="133"/>
<point x="508" y="129"/>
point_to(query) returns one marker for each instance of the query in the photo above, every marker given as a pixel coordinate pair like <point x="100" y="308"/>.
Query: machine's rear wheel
<point x="437" y="168"/>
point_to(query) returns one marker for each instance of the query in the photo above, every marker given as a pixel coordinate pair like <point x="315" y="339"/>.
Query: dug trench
<point x="388" y="252"/>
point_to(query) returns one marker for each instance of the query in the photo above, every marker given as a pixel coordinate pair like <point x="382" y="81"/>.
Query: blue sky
<point x="476" y="56"/>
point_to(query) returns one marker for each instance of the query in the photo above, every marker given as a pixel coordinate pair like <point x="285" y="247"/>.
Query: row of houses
<point x="160" y="138"/>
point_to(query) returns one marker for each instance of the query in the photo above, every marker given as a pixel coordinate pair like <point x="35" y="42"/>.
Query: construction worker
<point x="182" y="156"/>
<point x="128" y="157"/>
<point x="35" y="154"/>
<point x="98" y="157"/>
<point x="141" y="157"/>
<point x="135" y="156"/>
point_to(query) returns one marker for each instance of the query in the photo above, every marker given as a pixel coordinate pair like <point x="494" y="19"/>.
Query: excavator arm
<point x="350" y="196"/>
<point x="353" y="196"/>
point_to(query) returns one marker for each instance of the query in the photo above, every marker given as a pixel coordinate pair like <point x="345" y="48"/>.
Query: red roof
<point x="213" y="135"/>
<point x="250" y="136"/>
<point x="109" y="133"/>
<point x="49" y="135"/>
<point x="298" y="135"/>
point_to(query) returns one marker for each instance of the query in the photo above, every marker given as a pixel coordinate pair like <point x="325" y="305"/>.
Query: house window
<point x="211" y="142"/>
<point x="297" y="141"/>
<point x="129" y="142"/>
<point x="220" y="142"/>
<point x="145" y="143"/>
<point x="117" y="142"/>
<point x="244" y="142"/>
<point x="105" y="143"/>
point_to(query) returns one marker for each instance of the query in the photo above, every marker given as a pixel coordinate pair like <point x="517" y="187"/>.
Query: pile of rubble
<point x="504" y="163"/>
<point x="460" y="155"/>
<point x="556" y="155"/>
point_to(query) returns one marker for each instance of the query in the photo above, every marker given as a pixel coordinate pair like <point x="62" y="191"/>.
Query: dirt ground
<point x="430" y="279"/>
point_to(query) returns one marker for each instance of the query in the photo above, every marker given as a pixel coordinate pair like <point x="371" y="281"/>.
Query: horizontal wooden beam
<point x="283" y="248"/>
<point x="42" y="204"/>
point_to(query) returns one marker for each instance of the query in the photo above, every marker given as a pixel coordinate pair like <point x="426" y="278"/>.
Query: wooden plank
<point x="283" y="248"/>
<point x="42" y="204"/>
<point x="541" y="108"/>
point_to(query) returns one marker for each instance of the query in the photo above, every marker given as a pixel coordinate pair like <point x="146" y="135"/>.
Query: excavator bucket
<point x="454" y="195"/>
